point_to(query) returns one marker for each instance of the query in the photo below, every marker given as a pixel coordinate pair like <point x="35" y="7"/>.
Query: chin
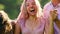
<point x="32" y="14"/>
<point x="5" y="25"/>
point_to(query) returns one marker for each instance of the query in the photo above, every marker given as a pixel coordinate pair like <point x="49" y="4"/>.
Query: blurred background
<point x="12" y="7"/>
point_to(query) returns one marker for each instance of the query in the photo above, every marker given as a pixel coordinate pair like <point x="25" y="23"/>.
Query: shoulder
<point x="47" y="5"/>
<point x="42" y="19"/>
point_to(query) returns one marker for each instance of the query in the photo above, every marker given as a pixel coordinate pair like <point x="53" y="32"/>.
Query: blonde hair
<point x="23" y="13"/>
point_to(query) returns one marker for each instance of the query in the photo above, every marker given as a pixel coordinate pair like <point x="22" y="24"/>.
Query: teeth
<point x="32" y="9"/>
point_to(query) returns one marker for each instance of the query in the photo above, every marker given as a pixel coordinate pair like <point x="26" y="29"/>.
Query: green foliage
<point x="12" y="7"/>
<point x="43" y="2"/>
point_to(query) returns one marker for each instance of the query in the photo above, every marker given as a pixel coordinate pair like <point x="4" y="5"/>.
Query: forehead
<point x="29" y="1"/>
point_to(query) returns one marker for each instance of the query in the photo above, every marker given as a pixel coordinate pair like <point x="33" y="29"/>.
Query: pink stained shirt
<point x="39" y="30"/>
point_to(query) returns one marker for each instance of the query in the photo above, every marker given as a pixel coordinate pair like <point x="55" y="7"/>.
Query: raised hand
<point x="53" y="14"/>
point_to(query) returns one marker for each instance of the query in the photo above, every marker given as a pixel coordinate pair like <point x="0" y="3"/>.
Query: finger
<point x="55" y="12"/>
<point x="51" y="13"/>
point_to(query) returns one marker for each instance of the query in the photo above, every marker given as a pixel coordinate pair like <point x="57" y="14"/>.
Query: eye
<point x="27" y="4"/>
<point x="33" y="3"/>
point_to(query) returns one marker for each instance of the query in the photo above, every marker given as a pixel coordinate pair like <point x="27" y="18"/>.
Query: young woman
<point x="30" y="19"/>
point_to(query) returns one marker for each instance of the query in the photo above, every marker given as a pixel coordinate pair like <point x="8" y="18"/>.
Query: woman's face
<point x="31" y="7"/>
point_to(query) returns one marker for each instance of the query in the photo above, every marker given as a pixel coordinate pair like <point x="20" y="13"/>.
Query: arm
<point x="17" y="29"/>
<point x="49" y="26"/>
<point x="49" y="23"/>
<point x="51" y="19"/>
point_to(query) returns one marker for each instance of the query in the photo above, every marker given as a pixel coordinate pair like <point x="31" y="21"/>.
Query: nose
<point x="31" y="5"/>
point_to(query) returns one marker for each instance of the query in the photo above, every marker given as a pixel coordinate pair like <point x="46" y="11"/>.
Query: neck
<point x="55" y="2"/>
<point x="32" y="17"/>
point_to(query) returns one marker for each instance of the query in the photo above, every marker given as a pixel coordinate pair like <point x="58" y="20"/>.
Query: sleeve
<point x="46" y="10"/>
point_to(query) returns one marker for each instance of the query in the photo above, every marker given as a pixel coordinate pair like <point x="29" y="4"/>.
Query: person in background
<point x="52" y="10"/>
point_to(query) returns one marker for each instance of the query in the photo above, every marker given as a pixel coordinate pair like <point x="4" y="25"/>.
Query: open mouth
<point x="32" y="10"/>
